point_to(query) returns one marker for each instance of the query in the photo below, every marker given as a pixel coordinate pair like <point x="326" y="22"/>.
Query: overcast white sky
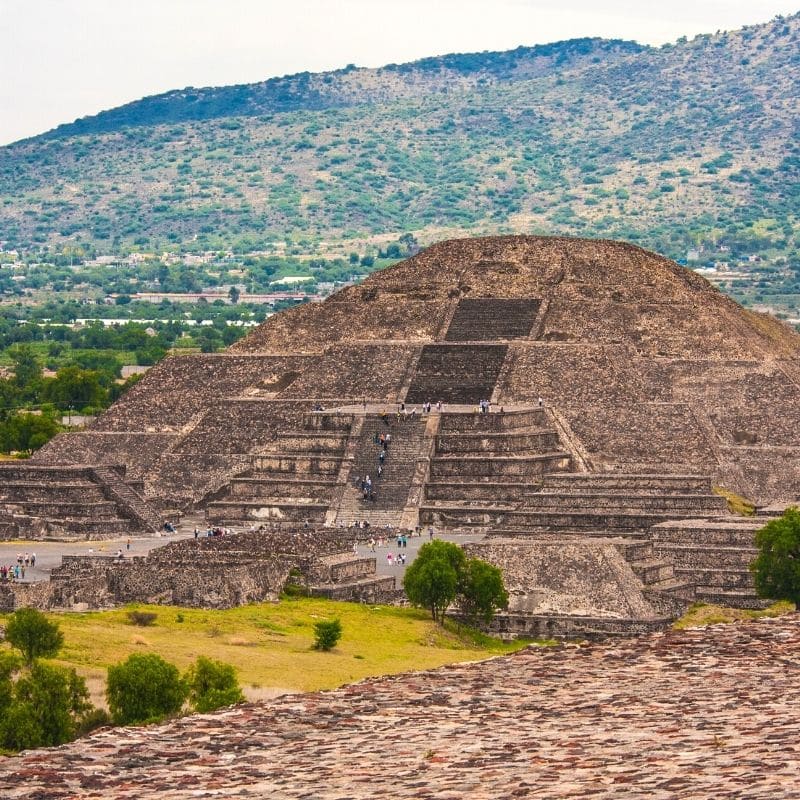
<point x="63" y="59"/>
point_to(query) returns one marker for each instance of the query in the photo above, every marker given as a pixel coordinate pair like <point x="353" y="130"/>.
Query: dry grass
<point x="736" y="503"/>
<point x="700" y="614"/>
<point x="270" y="644"/>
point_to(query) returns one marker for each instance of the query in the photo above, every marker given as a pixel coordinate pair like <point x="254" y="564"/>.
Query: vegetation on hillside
<point x="692" y="145"/>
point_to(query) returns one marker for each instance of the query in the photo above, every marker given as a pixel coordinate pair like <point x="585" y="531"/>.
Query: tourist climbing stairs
<point x="391" y="489"/>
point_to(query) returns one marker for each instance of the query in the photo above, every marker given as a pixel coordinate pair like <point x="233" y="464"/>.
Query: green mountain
<point x="691" y="144"/>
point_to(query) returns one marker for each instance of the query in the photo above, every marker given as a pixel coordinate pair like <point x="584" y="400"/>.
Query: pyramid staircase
<point x="714" y="555"/>
<point x="612" y="504"/>
<point x="484" y="465"/>
<point x="492" y="319"/>
<point x="392" y="489"/>
<point x="70" y="502"/>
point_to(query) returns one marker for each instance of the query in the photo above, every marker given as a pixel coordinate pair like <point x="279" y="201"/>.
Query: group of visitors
<point x="16" y="572"/>
<point x="219" y="531"/>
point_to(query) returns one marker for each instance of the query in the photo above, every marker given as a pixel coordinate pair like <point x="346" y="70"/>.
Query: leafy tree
<point x="776" y="569"/>
<point x="46" y="707"/>
<point x="212" y="684"/>
<point x="74" y="386"/>
<point x="26" y="366"/>
<point x="26" y="432"/>
<point x="442" y="574"/>
<point x="326" y="634"/>
<point x="234" y="294"/>
<point x="481" y="590"/>
<point x="432" y="579"/>
<point x="30" y="632"/>
<point x="144" y="688"/>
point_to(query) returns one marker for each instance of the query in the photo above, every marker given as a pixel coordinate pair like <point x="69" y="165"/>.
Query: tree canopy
<point x="776" y="569"/>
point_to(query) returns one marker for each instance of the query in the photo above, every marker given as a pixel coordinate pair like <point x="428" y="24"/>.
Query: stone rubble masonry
<point x="645" y="370"/>
<point x="210" y="572"/>
<point x="702" y="713"/>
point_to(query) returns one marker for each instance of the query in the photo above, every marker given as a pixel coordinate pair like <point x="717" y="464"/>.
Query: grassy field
<point x="705" y="614"/>
<point x="270" y="644"/>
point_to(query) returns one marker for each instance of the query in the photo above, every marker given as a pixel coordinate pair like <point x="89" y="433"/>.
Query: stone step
<point x="444" y="467"/>
<point x="233" y="512"/>
<point x="731" y="598"/>
<point x="705" y="557"/>
<point x="463" y="491"/>
<point x="639" y="483"/>
<point x="616" y="536"/>
<point x="260" y="487"/>
<point x="90" y="510"/>
<point x="89" y="527"/>
<point x="295" y="464"/>
<point x="517" y="442"/>
<point x="706" y="533"/>
<point x="557" y="501"/>
<point x="577" y="520"/>
<point x="376" y="589"/>
<point x="494" y="422"/>
<point x="58" y="492"/>
<point x="652" y="570"/>
<point x="727" y="578"/>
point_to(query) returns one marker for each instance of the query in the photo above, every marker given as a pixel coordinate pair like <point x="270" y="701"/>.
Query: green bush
<point x="326" y="634"/>
<point x="144" y="688"/>
<point x="33" y="635"/>
<point x="776" y="569"/>
<point x="45" y="707"/>
<point x="212" y="684"/>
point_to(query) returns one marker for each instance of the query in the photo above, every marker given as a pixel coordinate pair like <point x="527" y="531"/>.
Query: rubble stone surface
<point x="703" y="713"/>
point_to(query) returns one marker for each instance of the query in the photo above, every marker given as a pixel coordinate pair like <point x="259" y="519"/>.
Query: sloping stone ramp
<point x="705" y="713"/>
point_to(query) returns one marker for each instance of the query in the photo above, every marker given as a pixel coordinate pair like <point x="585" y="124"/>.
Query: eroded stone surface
<point x="709" y="713"/>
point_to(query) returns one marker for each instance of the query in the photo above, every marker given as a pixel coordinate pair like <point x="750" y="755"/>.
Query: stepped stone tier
<point x="655" y="387"/>
<point x="703" y="713"/>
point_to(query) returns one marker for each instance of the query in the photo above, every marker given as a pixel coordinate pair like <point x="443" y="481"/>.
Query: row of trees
<point x="42" y="705"/>
<point x="441" y="575"/>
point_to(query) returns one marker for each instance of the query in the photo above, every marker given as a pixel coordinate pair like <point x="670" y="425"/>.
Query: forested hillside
<point x="692" y="144"/>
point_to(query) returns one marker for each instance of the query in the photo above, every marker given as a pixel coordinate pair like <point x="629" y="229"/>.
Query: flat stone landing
<point x="706" y="713"/>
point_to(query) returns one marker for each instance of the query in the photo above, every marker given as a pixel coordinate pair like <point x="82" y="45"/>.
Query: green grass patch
<point x="270" y="644"/>
<point x="700" y="614"/>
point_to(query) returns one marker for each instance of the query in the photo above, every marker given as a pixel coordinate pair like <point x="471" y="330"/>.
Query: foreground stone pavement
<point x="706" y="713"/>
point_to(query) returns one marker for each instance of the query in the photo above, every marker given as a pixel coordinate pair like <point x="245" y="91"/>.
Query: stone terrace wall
<point x="179" y="388"/>
<point x="373" y="371"/>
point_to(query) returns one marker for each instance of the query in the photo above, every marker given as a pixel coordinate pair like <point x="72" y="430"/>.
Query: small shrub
<point x="142" y="618"/>
<point x="295" y="585"/>
<point x="144" y="688"/>
<point x="212" y="684"/>
<point x="33" y="635"/>
<point x="92" y="720"/>
<point x="179" y="618"/>
<point x="326" y="634"/>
